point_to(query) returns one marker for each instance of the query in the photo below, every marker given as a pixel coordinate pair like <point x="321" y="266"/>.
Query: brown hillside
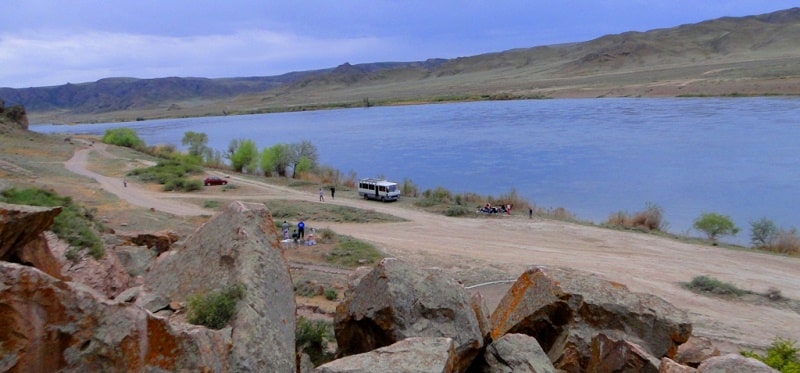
<point x="755" y="55"/>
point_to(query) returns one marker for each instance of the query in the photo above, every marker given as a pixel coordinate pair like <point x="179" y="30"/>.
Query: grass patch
<point x="292" y="210"/>
<point x="215" y="309"/>
<point x="75" y="224"/>
<point x="350" y="252"/>
<point x="707" y="284"/>
<point x="312" y="337"/>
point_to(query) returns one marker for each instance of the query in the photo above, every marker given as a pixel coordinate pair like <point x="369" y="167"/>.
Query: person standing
<point x="301" y="230"/>
<point x="530" y="213"/>
<point x="333" y="191"/>
<point x="285" y="227"/>
<point x="125" y="182"/>
<point x="321" y="195"/>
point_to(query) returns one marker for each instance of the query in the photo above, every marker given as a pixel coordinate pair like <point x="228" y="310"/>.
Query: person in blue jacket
<point x="301" y="229"/>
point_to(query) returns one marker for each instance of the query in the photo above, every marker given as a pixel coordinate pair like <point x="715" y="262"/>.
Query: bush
<point x="74" y="224"/>
<point x="457" y="210"/>
<point x="781" y="355"/>
<point x="215" y="309"/>
<point x="172" y="174"/>
<point x="715" y="225"/>
<point x="312" y="337"/>
<point x="331" y="294"/>
<point x="123" y="136"/>
<point x="711" y="285"/>
<point x="182" y="184"/>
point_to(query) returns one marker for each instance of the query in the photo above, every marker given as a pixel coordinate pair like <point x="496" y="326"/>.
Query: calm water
<point x="739" y="157"/>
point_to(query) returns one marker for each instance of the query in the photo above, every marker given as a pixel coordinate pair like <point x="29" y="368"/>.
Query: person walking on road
<point x="321" y="195"/>
<point x="333" y="191"/>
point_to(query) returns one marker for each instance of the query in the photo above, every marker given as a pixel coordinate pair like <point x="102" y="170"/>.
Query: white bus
<point x="378" y="189"/>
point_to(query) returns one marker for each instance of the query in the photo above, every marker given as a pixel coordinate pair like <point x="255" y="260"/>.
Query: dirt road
<point x="131" y="192"/>
<point x="502" y="247"/>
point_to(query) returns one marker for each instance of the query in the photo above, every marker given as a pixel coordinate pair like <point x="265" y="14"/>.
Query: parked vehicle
<point x="214" y="180"/>
<point x="378" y="189"/>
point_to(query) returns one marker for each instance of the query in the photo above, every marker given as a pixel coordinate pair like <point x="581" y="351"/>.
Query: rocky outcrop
<point x="409" y="355"/>
<point x="515" y="353"/>
<point x="105" y="275"/>
<point x="581" y="320"/>
<point x="733" y="363"/>
<point x="238" y="247"/>
<point x="49" y="325"/>
<point x="12" y="118"/>
<point x="22" y="238"/>
<point x="135" y="259"/>
<point x="397" y="301"/>
<point x="160" y="241"/>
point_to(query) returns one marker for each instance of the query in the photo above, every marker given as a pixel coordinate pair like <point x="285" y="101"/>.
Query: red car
<point x="214" y="180"/>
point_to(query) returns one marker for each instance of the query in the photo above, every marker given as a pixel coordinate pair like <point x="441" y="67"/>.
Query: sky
<point x="54" y="42"/>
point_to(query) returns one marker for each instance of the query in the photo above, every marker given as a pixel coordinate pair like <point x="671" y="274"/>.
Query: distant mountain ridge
<point x="730" y="48"/>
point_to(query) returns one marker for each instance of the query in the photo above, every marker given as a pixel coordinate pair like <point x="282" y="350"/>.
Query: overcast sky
<point x="53" y="42"/>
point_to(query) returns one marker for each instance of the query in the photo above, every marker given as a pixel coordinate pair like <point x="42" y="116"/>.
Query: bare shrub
<point x="561" y="213"/>
<point x="774" y="293"/>
<point x="651" y="219"/>
<point x="618" y="219"/>
<point x="351" y="180"/>
<point x="329" y="175"/>
<point x="786" y="242"/>
<point x="408" y="188"/>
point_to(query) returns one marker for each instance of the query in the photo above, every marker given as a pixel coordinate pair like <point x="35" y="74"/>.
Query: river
<point x="735" y="156"/>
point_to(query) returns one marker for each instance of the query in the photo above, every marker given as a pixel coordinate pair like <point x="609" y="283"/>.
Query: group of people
<point x="299" y="234"/>
<point x="489" y="209"/>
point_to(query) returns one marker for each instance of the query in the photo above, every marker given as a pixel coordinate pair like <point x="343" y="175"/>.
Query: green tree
<point x="762" y="233"/>
<point x="275" y="159"/>
<point x="245" y="156"/>
<point x="197" y="143"/>
<point x="123" y="136"/>
<point x="715" y="225"/>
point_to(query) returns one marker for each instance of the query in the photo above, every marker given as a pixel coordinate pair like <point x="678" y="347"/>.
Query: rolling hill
<point x="754" y="55"/>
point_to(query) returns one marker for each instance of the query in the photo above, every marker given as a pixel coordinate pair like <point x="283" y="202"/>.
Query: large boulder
<point x="670" y="366"/>
<point x="566" y="311"/>
<point x="695" y="351"/>
<point x="515" y="353"/>
<point x="21" y="236"/>
<point x="396" y="301"/>
<point x="417" y="355"/>
<point x="49" y="325"/>
<point x="238" y="247"/>
<point x="733" y="363"/>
